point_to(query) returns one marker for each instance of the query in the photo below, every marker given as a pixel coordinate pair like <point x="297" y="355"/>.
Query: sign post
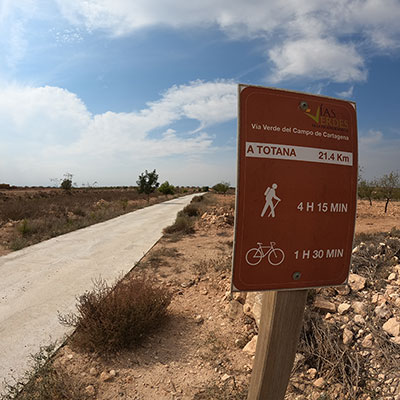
<point x="295" y="214"/>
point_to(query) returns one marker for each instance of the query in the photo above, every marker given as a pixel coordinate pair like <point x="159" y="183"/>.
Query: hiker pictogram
<point x="270" y="196"/>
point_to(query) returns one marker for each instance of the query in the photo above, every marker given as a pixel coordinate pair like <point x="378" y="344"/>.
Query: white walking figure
<point x="269" y="201"/>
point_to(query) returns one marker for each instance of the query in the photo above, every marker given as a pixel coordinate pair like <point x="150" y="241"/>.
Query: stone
<point x="343" y="290"/>
<point x="392" y="276"/>
<point x="319" y="383"/>
<point x="240" y="297"/>
<point x="312" y="373"/>
<point x="234" y="309"/>
<point x="225" y="377"/>
<point x="343" y="308"/>
<point x="93" y="371"/>
<point x="250" y="347"/>
<point x="395" y="340"/>
<point x="90" y="390"/>
<point x="382" y="311"/>
<point x="106" y="377"/>
<point x="359" y="307"/>
<point x="253" y="304"/>
<point x="377" y="298"/>
<point x="392" y="327"/>
<point x="367" y="341"/>
<point x="198" y="319"/>
<point x="324" y="305"/>
<point x="347" y="336"/>
<point x="356" y="282"/>
<point x="359" y="319"/>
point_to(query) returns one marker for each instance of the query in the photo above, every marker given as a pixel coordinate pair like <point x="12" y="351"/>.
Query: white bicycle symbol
<point x="274" y="255"/>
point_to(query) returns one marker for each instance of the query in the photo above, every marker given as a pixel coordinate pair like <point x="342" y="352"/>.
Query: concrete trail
<point x="40" y="281"/>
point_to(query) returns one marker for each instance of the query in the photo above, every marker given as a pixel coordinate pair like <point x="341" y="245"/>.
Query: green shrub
<point x="183" y="224"/>
<point x="191" y="210"/>
<point x="66" y="184"/>
<point x="110" y="318"/>
<point x="166" y="188"/>
<point x="221" y="187"/>
<point x="24" y="228"/>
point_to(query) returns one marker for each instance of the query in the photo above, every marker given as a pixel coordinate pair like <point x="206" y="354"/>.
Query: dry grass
<point x="45" y="214"/>
<point x="45" y="382"/>
<point x="185" y="220"/>
<point x="110" y="318"/>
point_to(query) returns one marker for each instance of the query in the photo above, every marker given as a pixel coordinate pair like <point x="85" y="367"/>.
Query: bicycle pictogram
<point x="275" y="256"/>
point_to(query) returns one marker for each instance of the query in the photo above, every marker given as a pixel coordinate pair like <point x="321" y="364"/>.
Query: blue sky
<point x="106" y="89"/>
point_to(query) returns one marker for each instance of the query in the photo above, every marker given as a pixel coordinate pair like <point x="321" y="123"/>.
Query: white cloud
<point x="347" y="94"/>
<point x="317" y="58"/>
<point x="377" y="154"/>
<point x="308" y="38"/>
<point x="49" y="129"/>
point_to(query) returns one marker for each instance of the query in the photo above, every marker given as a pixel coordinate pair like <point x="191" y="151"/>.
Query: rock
<point x="106" y="377"/>
<point x="93" y="371"/>
<point x="252" y="307"/>
<point x="356" y="282"/>
<point x="343" y="308"/>
<point x="250" y="347"/>
<point x="312" y="373"/>
<point x="367" y="341"/>
<point x="299" y="358"/>
<point x="343" y="290"/>
<point x="392" y="277"/>
<point x="395" y="340"/>
<point x="225" y="377"/>
<point x="198" y="319"/>
<point x="359" y="307"/>
<point x="90" y="390"/>
<point x="234" y="309"/>
<point x="382" y="311"/>
<point x="392" y="327"/>
<point x="319" y="383"/>
<point x="378" y="298"/>
<point x="324" y="305"/>
<point x="240" y="297"/>
<point x="347" y="336"/>
<point x="359" y="320"/>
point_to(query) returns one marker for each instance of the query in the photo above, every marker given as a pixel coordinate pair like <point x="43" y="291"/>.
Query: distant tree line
<point x="385" y="188"/>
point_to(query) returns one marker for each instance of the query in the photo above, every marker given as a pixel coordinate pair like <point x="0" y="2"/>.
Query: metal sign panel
<point x="296" y="192"/>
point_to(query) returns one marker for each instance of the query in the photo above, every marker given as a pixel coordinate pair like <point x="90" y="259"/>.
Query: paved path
<point x="41" y="280"/>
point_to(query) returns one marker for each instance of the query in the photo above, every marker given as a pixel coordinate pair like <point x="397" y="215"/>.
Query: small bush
<point x="183" y="225"/>
<point x="24" y="228"/>
<point x="191" y="210"/>
<point x="110" y="318"/>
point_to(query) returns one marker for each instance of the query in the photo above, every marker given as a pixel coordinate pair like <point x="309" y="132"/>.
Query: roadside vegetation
<point x="386" y="188"/>
<point x="33" y="215"/>
<point x="110" y="318"/>
<point x="45" y="382"/>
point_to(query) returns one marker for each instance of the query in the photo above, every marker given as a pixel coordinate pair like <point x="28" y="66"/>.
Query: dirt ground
<point x="373" y="218"/>
<point x="199" y="353"/>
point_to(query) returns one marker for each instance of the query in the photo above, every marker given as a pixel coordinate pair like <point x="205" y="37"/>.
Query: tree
<point x="166" y="188"/>
<point x="147" y="183"/>
<point x="366" y="190"/>
<point x="388" y="185"/>
<point x="221" y="187"/>
<point x="66" y="183"/>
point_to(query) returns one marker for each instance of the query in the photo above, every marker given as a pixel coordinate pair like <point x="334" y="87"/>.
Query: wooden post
<point x="280" y="324"/>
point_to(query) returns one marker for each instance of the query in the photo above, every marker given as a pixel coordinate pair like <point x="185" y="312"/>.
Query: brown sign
<point x="296" y="192"/>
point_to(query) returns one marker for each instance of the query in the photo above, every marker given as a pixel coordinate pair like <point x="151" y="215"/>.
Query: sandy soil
<point x="373" y="218"/>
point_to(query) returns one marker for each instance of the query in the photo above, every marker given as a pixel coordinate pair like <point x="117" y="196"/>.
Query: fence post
<point x="280" y="325"/>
